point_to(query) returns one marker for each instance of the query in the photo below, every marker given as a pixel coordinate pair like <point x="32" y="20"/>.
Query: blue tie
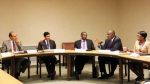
<point x="48" y="45"/>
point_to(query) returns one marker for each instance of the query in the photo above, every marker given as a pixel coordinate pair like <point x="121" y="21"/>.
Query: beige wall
<point x="134" y="17"/>
<point x="64" y="19"/>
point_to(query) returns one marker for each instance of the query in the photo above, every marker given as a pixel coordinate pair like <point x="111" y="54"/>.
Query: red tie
<point x="14" y="46"/>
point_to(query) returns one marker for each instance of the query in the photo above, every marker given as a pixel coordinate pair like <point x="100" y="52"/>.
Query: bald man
<point x="13" y="45"/>
<point x="111" y="43"/>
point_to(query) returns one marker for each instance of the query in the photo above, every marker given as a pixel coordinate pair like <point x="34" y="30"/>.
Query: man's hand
<point x="18" y="42"/>
<point x="98" y="42"/>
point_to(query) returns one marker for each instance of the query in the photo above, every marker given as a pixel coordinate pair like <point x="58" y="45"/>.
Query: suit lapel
<point x="113" y="42"/>
<point x="79" y="44"/>
<point x="44" y="44"/>
<point x="9" y="44"/>
<point x="51" y="44"/>
<point x="87" y="43"/>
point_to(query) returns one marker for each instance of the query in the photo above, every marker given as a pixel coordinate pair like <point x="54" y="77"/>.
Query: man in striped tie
<point x="49" y="60"/>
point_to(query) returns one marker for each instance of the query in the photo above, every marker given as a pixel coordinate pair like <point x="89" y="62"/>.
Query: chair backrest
<point x="0" y="52"/>
<point x="68" y="45"/>
<point x="29" y="47"/>
<point x="0" y="49"/>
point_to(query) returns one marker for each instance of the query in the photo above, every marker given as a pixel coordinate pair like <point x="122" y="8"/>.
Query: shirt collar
<point x="83" y="40"/>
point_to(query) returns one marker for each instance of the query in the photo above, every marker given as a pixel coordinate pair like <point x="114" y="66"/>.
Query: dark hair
<point x="45" y="34"/>
<point x="143" y="34"/>
<point x="83" y="32"/>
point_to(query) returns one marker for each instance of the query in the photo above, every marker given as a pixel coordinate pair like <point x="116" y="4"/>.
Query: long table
<point x="71" y="53"/>
<point x="8" y="79"/>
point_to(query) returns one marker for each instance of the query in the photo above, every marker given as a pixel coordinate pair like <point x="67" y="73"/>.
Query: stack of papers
<point x="104" y="51"/>
<point x="18" y="52"/>
<point x="80" y="50"/>
<point x="31" y="51"/>
<point x="134" y="54"/>
<point x="109" y="52"/>
<point x="59" y="50"/>
<point x="7" y="54"/>
<point x="48" y="50"/>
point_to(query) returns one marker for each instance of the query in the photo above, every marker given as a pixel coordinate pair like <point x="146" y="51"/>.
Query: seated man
<point x="141" y="46"/>
<point x="49" y="61"/>
<point x="14" y="45"/>
<point x="111" y="43"/>
<point x="80" y="60"/>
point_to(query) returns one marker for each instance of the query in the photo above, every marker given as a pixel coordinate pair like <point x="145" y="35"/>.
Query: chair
<point x="39" y="65"/>
<point x="70" y="46"/>
<point x="8" y="67"/>
<point x="29" y="48"/>
<point x="3" y="65"/>
<point x="145" y="66"/>
<point x="125" y="62"/>
<point x="67" y="46"/>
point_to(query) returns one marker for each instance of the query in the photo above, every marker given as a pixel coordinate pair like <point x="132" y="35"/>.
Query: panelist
<point x="49" y="60"/>
<point x="80" y="60"/>
<point x="141" y="46"/>
<point x="14" y="45"/>
<point x="112" y="43"/>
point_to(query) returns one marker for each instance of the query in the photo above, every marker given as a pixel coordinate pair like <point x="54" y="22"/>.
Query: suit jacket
<point x="42" y="45"/>
<point x="7" y="47"/>
<point x="90" y="45"/>
<point x="116" y="44"/>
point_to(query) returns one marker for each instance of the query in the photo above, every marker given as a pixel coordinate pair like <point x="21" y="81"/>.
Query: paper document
<point x="7" y="54"/>
<point x="80" y="50"/>
<point x="31" y="51"/>
<point x="109" y="52"/>
<point x="59" y="50"/>
<point x="48" y="50"/>
<point x="134" y="54"/>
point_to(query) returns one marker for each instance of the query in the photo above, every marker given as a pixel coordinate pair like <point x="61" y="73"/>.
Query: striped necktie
<point x="14" y="46"/>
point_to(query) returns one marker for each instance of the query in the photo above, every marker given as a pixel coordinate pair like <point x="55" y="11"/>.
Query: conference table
<point x="8" y="79"/>
<point x="71" y="53"/>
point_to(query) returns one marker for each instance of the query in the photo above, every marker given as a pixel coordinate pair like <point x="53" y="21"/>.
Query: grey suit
<point x="116" y="44"/>
<point x="20" y="63"/>
<point x="6" y="46"/>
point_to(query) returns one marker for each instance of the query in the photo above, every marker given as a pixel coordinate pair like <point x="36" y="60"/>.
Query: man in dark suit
<point x="111" y="43"/>
<point x="49" y="61"/>
<point x="80" y="60"/>
<point x="14" y="45"/>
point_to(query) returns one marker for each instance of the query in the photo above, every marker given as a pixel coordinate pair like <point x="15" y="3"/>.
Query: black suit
<point x="49" y="61"/>
<point x="116" y="44"/>
<point x="80" y="60"/>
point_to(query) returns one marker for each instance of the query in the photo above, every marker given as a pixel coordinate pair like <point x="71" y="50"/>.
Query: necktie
<point x="14" y="46"/>
<point x="48" y="46"/>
